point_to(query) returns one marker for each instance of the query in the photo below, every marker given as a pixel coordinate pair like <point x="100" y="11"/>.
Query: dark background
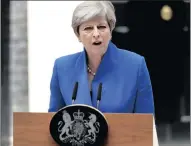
<point x="5" y="101"/>
<point x="166" y="48"/>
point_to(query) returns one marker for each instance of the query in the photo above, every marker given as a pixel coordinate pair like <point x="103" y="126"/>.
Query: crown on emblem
<point x="78" y="115"/>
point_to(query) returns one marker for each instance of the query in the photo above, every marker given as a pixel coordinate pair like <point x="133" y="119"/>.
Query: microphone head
<point x="75" y="91"/>
<point x="99" y="92"/>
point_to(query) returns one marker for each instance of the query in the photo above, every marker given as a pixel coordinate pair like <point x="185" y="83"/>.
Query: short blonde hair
<point x="89" y="9"/>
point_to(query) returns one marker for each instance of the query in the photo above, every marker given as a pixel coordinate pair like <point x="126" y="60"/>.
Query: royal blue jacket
<point x="126" y="84"/>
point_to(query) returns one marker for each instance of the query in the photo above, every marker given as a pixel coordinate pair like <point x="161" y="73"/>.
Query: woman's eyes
<point x="88" y="28"/>
<point x="91" y="28"/>
<point x="101" y="27"/>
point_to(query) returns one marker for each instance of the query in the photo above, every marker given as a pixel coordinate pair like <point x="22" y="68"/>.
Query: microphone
<point x="99" y="94"/>
<point x="74" y="92"/>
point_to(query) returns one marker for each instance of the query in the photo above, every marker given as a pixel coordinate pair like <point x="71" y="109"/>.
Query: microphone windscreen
<point x="75" y="91"/>
<point x="99" y="92"/>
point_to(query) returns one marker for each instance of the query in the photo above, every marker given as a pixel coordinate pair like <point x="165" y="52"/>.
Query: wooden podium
<point x="32" y="129"/>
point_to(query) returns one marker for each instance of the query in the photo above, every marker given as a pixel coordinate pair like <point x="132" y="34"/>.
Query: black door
<point x="165" y="46"/>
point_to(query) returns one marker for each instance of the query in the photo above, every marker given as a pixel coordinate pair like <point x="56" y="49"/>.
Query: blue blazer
<point x="126" y="85"/>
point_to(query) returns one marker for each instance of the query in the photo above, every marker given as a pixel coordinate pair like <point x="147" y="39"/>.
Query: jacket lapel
<point x="83" y="95"/>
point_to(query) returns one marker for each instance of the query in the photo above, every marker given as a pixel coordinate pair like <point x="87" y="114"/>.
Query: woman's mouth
<point x="97" y="43"/>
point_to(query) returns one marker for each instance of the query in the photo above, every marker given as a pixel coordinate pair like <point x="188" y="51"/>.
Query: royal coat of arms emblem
<point x="78" y="125"/>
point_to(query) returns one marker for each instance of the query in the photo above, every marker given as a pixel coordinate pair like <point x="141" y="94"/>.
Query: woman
<point x="126" y="85"/>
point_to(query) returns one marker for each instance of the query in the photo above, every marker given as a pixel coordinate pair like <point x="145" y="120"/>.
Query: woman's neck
<point x="94" y="62"/>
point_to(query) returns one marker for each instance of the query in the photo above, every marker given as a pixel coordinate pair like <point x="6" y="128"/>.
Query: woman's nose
<point x="96" y="33"/>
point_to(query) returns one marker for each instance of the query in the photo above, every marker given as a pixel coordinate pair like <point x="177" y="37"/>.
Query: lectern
<point x="32" y="129"/>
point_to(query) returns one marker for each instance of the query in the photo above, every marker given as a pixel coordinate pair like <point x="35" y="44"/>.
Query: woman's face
<point x="95" y="35"/>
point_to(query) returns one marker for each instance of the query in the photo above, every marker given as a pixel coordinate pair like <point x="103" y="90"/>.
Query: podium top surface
<point x="125" y="129"/>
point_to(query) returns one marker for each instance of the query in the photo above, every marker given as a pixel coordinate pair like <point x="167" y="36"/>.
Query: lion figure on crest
<point x="90" y="124"/>
<point x="67" y="127"/>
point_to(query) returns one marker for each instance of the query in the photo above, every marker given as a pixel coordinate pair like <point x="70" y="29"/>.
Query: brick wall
<point x="18" y="56"/>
